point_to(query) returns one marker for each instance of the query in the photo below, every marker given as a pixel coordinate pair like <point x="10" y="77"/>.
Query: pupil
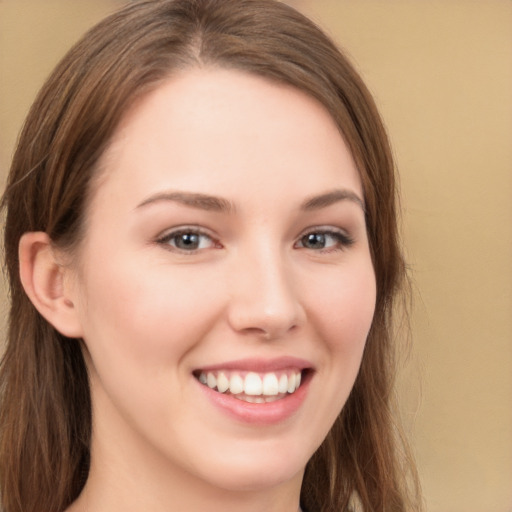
<point x="188" y="241"/>
<point x="315" y="240"/>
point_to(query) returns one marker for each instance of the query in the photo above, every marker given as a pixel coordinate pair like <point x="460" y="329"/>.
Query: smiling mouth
<point x="252" y="387"/>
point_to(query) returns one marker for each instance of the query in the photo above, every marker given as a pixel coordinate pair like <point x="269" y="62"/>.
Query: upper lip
<point x="260" y="365"/>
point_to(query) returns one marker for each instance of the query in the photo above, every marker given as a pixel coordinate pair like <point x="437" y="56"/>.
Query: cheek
<point x="341" y="310"/>
<point x="140" y="325"/>
<point x="344" y="307"/>
<point x="145" y="313"/>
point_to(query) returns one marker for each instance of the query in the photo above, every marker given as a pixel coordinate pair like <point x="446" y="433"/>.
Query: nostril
<point x="269" y="329"/>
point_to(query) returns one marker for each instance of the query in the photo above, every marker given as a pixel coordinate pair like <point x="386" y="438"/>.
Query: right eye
<point x="187" y="240"/>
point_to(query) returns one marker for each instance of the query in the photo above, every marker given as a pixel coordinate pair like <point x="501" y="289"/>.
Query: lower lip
<point x="259" y="414"/>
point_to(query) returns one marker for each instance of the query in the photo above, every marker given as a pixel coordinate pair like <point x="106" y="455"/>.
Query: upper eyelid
<point x="325" y="229"/>
<point x="185" y="229"/>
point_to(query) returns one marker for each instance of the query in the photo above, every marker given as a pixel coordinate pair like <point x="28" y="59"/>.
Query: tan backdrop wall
<point x="441" y="72"/>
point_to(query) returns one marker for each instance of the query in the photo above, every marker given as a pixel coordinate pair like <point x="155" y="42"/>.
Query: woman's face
<point x="225" y="256"/>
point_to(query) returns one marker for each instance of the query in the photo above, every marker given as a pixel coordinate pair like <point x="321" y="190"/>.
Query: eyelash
<point x="342" y="240"/>
<point x="172" y="235"/>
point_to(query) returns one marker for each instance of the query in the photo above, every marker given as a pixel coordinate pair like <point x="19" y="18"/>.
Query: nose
<point x="264" y="298"/>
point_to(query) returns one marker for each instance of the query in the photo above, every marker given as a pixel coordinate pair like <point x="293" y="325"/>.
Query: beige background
<point x="441" y="72"/>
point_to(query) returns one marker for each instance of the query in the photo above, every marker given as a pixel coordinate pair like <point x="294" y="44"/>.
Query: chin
<point x="248" y="474"/>
<point x="255" y="479"/>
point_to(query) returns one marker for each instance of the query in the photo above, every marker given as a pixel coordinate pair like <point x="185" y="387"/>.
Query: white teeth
<point x="272" y="398"/>
<point x="211" y="380"/>
<point x="257" y="399"/>
<point x="236" y="384"/>
<point x="291" y="383"/>
<point x="283" y="383"/>
<point x="222" y="382"/>
<point x="268" y="386"/>
<point x="253" y="385"/>
<point x="253" y="399"/>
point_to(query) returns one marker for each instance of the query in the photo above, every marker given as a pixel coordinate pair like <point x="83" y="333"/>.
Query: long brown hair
<point x="45" y="416"/>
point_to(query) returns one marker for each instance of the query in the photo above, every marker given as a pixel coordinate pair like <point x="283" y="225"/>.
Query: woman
<point x="202" y="250"/>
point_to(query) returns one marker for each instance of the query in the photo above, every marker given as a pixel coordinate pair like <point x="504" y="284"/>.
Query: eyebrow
<point x="331" y="197"/>
<point x="221" y="205"/>
<point x="194" y="200"/>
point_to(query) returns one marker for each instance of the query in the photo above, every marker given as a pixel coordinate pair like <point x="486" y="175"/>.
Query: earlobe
<point x="44" y="281"/>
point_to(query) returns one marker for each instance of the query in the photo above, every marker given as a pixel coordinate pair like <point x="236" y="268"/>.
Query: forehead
<point x="216" y="131"/>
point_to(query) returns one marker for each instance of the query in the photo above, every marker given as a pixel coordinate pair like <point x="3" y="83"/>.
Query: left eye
<point x="187" y="240"/>
<point x="321" y="240"/>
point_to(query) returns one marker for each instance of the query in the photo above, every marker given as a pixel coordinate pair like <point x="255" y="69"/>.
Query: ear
<point x="46" y="282"/>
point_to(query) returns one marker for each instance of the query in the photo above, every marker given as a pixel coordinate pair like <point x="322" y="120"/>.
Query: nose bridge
<point x="264" y="298"/>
